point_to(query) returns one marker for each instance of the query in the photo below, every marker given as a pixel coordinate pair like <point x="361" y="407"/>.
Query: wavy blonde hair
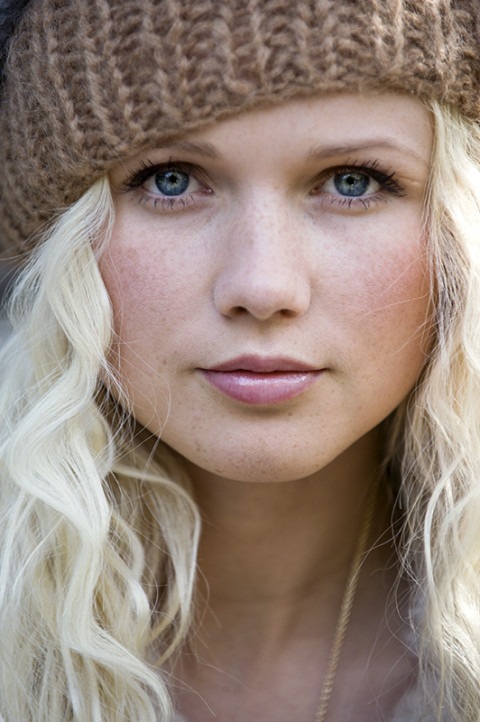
<point x="433" y="439"/>
<point x="98" y="539"/>
<point x="88" y="520"/>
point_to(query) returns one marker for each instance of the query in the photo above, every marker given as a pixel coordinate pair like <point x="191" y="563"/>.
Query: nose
<point x="264" y="269"/>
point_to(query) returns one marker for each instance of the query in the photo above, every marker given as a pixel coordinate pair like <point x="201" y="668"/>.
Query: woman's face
<point x="268" y="280"/>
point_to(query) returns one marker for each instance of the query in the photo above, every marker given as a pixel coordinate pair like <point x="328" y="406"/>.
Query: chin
<point x="262" y="465"/>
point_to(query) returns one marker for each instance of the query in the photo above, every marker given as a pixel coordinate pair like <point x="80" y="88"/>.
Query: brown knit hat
<point x="90" y="82"/>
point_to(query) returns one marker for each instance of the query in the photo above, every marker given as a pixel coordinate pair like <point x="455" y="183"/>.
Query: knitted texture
<point x="90" y="82"/>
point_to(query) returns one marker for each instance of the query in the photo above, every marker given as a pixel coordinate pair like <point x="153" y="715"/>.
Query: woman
<point x="240" y="444"/>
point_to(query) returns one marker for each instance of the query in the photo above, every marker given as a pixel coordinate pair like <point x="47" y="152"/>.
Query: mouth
<point x="261" y="381"/>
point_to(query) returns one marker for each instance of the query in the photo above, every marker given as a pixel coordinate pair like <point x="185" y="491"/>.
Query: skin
<point x="264" y="256"/>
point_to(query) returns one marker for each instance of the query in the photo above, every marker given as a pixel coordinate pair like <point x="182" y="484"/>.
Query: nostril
<point x="263" y="301"/>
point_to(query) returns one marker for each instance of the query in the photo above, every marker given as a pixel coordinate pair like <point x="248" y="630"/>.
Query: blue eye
<point x="172" y="182"/>
<point x="351" y="184"/>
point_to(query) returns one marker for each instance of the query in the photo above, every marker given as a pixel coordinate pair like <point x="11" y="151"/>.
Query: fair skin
<point x="272" y="311"/>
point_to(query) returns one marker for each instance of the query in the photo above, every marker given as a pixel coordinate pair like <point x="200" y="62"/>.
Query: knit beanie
<point x="91" y="82"/>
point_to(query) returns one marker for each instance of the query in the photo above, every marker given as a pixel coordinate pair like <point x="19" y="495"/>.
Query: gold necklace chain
<point x="347" y="605"/>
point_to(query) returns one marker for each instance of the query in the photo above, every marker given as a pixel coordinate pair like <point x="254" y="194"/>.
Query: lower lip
<point x="261" y="388"/>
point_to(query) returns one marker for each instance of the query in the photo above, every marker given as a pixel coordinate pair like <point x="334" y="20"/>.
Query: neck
<point x="274" y="560"/>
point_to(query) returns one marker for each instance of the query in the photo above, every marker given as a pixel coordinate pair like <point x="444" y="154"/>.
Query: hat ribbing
<point x="90" y="82"/>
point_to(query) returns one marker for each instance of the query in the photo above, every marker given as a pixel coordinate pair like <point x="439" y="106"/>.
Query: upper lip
<point x="262" y="364"/>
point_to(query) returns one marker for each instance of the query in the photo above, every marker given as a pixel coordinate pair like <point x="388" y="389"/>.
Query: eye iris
<point x="351" y="184"/>
<point x="172" y="182"/>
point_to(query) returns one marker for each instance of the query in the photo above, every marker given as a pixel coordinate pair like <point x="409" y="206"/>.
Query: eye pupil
<point x="351" y="184"/>
<point x="172" y="182"/>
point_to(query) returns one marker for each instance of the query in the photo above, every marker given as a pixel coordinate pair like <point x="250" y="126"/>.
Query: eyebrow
<point x="320" y="152"/>
<point x="200" y="147"/>
<point x="316" y="153"/>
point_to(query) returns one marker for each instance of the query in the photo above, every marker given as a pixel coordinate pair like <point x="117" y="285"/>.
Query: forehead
<point x="314" y="129"/>
<point x="351" y="115"/>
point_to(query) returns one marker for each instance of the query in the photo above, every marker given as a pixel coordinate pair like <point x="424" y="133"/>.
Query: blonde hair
<point x="87" y="519"/>
<point x="98" y="539"/>
<point x="434" y="438"/>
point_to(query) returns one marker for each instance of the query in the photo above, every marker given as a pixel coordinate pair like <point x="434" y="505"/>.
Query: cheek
<point x="144" y="288"/>
<point x="383" y="285"/>
<point x="390" y="330"/>
<point x="149" y="291"/>
<point x="393" y="290"/>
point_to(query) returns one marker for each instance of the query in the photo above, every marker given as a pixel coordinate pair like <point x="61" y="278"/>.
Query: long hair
<point x="98" y="536"/>
<point x="87" y="520"/>
<point x="433" y="442"/>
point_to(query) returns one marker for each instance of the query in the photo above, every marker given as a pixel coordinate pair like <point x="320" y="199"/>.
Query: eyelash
<point x="386" y="178"/>
<point x="147" y="169"/>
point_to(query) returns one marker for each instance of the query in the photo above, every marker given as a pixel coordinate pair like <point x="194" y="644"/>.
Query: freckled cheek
<point x="149" y="295"/>
<point x="387" y="298"/>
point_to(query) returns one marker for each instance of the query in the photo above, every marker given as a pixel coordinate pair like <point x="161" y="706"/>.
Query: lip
<point x="261" y="380"/>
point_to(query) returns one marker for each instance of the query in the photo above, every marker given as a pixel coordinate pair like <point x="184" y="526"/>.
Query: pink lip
<point x="256" y="380"/>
